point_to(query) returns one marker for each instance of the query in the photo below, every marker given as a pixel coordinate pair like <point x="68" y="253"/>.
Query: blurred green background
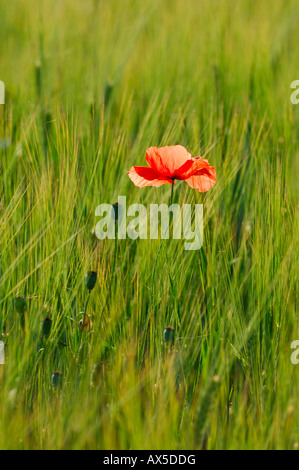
<point x="89" y="87"/>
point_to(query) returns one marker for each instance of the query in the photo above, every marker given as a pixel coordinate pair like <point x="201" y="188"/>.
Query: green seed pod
<point x="85" y="324"/>
<point x="168" y="334"/>
<point x="20" y="305"/>
<point x="57" y="379"/>
<point x="46" y="327"/>
<point x="90" y="280"/>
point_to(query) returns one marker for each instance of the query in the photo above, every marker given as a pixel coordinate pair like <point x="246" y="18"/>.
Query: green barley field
<point x="89" y="86"/>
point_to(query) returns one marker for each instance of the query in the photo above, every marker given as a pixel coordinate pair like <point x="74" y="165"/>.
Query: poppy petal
<point x="203" y="179"/>
<point x="167" y="160"/>
<point x="143" y="176"/>
<point x="188" y="170"/>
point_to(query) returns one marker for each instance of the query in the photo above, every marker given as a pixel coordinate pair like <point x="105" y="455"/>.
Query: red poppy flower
<point x="167" y="164"/>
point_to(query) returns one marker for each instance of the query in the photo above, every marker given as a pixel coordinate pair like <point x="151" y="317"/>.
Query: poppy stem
<point x="171" y="195"/>
<point x="85" y="308"/>
<point x="112" y="273"/>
